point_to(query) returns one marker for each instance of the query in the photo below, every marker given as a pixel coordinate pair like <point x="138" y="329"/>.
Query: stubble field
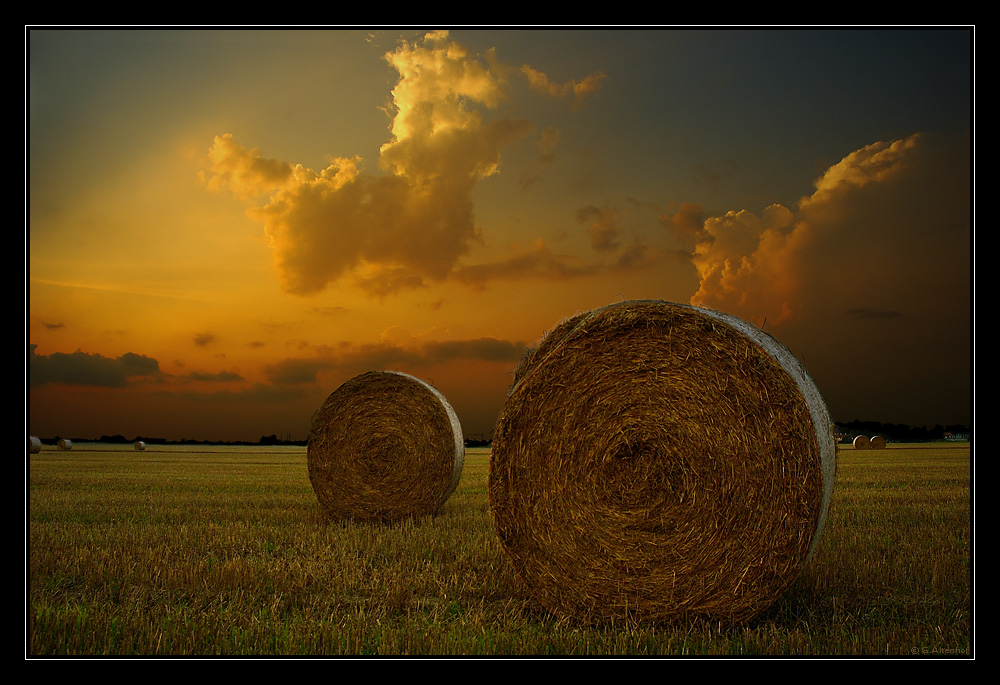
<point x="184" y="551"/>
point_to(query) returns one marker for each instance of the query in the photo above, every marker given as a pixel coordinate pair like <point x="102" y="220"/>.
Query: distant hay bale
<point x="384" y="446"/>
<point x="862" y="442"/>
<point x="877" y="442"/>
<point x="34" y="445"/>
<point x="139" y="446"/>
<point x="65" y="444"/>
<point x="657" y="461"/>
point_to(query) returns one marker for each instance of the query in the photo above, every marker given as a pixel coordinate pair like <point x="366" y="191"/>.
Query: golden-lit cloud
<point x="412" y="223"/>
<point x="243" y="171"/>
<point x="748" y="262"/>
<point x="871" y="164"/>
<point x="869" y="220"/>
<point x="870" y="274"/>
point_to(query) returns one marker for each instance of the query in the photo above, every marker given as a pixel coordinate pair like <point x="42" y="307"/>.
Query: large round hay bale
<point x="34" y="445"/>
<point x="65" y="444"/>
<point x="877" y="442"/>
<point x="384" y="446"/>
<point x="657" y="461"/>
<point x="862" y="442"/>
<point x="139" y="445"/>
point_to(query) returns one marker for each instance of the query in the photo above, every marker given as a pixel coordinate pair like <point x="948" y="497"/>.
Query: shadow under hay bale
<point x="862" y="442"/>
<point x="657" y="461"/>
<point x="384" y="446"/>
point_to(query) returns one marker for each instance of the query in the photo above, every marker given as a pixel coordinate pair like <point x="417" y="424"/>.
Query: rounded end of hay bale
<point x="34" y="445"/>
<point x="65" y="444"/>
<point x="658" y="461"/>
<point x="877" y="442"/>
<point x="138" y="445"/>
<point x="384" y="446"/>
<point x="862" y="442"/>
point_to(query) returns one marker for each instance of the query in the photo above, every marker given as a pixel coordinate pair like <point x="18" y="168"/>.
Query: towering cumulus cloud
<point x="888" y="213"/>
<point x="411" y="222"/>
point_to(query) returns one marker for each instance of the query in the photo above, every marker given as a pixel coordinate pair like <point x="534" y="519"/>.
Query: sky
<point x="222" y="226"/>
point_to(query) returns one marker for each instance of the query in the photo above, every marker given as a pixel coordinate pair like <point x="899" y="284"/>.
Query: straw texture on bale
<point x="139" y="446"/>
<point x="862" y="442"/>
<point x="65" y="444"/>
<point x="384" y="446"/>
<point x="34" y="445"/>
<point x="877" y="442"/>
<point x="658" y="461"/>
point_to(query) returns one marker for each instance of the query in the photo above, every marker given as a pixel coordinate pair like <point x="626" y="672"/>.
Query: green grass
<point x="223" y="551"/>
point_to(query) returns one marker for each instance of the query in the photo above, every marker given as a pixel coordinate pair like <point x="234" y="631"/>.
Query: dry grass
<point x="225" y="551"/>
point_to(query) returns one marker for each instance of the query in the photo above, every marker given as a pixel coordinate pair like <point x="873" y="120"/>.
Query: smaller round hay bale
<point x="862" y="442"/>
<point x="139" y="446"/>
<point x="877" y="442"/>
<point x="34" y="445"/>
<point x="384" y="446"/>
<point x="65" y="444"/>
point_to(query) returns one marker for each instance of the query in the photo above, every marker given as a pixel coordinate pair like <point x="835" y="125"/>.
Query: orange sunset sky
<point x="222" y="226"/>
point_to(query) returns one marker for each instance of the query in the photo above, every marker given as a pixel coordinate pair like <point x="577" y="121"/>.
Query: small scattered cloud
<point x="396" y="349"/>
<point x="220" y="377"/>
<point x="577" y="89"/>
<point x="204" y="339"/>
<point x="332" y="311"/>
<point x="296" y="371"/>
<point x="603" y="229"/>
<point x="711" y="179"/>
<point x="540" y="262"/>
<point x="547" y="144"/>
<point x="686" y="225"/>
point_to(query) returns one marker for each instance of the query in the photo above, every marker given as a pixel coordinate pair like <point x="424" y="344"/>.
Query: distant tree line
<point x="893" y="431"/>
<point x="272" y="439"/>
<point x="266" y="440"/>
<point x="900" y="432"/>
